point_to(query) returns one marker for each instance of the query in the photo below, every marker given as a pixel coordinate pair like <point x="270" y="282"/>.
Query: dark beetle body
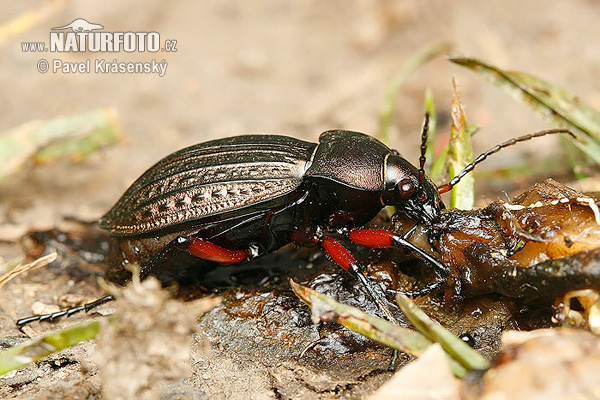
<point x="264" y="191"/>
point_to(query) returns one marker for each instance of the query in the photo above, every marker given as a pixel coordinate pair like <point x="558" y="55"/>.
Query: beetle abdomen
<point x="208" y="179"/>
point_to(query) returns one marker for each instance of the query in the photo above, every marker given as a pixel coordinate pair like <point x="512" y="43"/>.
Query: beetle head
<point x="418" y="200"/>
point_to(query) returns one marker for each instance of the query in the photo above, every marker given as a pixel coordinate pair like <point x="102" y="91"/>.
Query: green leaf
<point x="562" y="107"/>
<point x="75" y="136"/>
<point x="453" y="345"/>
<point x="421" y="57"/>
<point x="460" y="153"/>
<point x="20" y="356"/>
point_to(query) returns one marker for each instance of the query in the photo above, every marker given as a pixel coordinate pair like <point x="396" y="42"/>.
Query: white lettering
<point x="57" y="42"/>
<point x="153" y="42"/>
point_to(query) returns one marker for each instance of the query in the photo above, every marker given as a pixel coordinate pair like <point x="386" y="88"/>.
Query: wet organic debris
<point x="579" y="308"/>
<point x="536" y="248"/>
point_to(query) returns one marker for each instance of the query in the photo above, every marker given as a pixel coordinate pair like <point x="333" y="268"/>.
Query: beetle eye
<point x="406" y="189"/>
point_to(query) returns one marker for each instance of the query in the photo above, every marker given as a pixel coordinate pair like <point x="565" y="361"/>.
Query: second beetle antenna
<point x="448" y="186"/>
<point x="422" y="158"/>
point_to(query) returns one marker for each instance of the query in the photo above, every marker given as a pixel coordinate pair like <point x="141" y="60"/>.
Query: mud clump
<point x="144" y="353"/>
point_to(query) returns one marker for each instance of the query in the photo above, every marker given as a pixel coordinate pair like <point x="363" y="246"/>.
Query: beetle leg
<point x="346" y="260"/>
<point x="382" y="239"/>
<point x="199" y="248"/>
<point x="211" y="252"/>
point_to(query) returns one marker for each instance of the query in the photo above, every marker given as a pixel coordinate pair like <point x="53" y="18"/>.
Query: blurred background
<point x="295" y="68"/>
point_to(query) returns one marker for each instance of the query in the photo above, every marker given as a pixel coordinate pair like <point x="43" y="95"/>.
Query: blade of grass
<point x="562" y="107"/>
<point x="101" y="130"/>
<point x="29" y="19"/>
<point x="20" y="356"/>
<point x="421" y="57"/>
<point x="375" y="328"/>
<point x="575" y="157"/>
<point x="439" y="170"/>
<point x="21" y="268"/>
<point x="454" y="346"/>
<point x="460" y="153"/>
<point x="75" y="136"/>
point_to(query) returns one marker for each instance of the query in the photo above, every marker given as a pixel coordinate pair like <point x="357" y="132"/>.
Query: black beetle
<point x="237" y="198"/>
<point x="234" y="199"/>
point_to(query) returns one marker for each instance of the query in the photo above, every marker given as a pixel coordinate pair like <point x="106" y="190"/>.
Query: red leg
<point x="209" y="251"/>
<point x="199" y="248"/>
<point x="375" y="238"/>
<point x="382" y="238"/>
<point x="346" y="260"/>
<point x="339" y="253"/>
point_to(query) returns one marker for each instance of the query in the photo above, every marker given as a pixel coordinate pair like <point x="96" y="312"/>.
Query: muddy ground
<point x="295" y="68"/>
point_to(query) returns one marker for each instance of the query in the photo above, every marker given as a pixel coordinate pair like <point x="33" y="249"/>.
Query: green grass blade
<point x="375" y="328"/>
<point x="439" y="169"/>
<point x="460" y="153"/>
<point x="75" y="136"/>
<point x="20" y="356"/>
<point x="454" y="346"/>
<point x="421" y="57"/>
<point x="562" y="107"/>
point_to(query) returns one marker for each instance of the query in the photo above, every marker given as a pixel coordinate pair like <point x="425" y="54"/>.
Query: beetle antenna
<point x="448" y="186"/>
<point x="422" y="158"/>
<point x="67" y="312"/>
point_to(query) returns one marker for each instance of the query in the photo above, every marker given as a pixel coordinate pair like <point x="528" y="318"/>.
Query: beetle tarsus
<point x="375" y="291"/>
<point x="394" y="361"/>
<point x="415" y="294"/>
